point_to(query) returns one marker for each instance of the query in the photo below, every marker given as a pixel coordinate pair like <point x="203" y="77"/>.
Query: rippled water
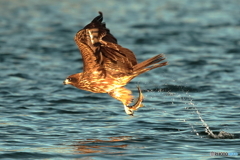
<point x="191" y="106"/>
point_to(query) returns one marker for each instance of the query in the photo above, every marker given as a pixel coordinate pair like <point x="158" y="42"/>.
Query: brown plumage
<point x="107" y="66"/>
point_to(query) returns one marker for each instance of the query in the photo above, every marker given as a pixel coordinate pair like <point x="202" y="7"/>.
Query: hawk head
<point x="73" y="79"/>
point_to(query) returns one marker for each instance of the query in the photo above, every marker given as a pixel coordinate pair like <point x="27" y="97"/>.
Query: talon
<point x="138" y="104"/>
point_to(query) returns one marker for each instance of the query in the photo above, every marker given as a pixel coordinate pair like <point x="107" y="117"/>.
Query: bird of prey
<point x="107" y="66"/>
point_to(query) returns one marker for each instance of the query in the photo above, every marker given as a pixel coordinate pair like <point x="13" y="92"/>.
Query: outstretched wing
<point x="100" y="50"/>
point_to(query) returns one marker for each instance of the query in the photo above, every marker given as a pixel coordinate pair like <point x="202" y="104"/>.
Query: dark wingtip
<point x="101" y="14"/>
<point x="96" y="22"/>
<point x="98" y="18"/>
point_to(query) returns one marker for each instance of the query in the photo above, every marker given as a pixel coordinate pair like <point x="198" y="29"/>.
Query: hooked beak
<point x="66" y="81"/>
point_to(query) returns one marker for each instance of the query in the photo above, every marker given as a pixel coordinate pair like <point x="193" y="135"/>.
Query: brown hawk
<point x="107" y="66"/>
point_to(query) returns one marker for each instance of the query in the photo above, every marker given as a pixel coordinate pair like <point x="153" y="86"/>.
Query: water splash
<point x="221" y="134"/>
<point x="188" y="100"/>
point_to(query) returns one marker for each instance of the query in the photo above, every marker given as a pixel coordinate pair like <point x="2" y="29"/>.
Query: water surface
<point x="191" y="105"/>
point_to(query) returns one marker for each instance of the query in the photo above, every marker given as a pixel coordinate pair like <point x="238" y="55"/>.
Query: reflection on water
<point x="97" y="145"/>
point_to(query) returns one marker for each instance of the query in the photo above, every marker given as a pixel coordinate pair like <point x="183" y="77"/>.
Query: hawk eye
<point x="69" y="79"/>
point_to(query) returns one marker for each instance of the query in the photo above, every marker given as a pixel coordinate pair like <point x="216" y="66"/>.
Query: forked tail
<point x="149" y="64"/>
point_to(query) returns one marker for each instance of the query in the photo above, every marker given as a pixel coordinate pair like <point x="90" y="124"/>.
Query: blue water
<point x="191" y="106"/>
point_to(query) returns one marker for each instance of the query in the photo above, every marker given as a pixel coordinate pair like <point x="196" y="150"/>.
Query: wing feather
<point x="100" y="50"/>
<point x="89" y="59"/>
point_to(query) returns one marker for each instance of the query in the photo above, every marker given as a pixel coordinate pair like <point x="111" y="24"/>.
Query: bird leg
<point x="125" y="96"/>
<point x="138" y="103"/>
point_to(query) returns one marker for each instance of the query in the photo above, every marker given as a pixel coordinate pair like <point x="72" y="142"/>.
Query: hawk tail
<point x="149" y="64"/>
